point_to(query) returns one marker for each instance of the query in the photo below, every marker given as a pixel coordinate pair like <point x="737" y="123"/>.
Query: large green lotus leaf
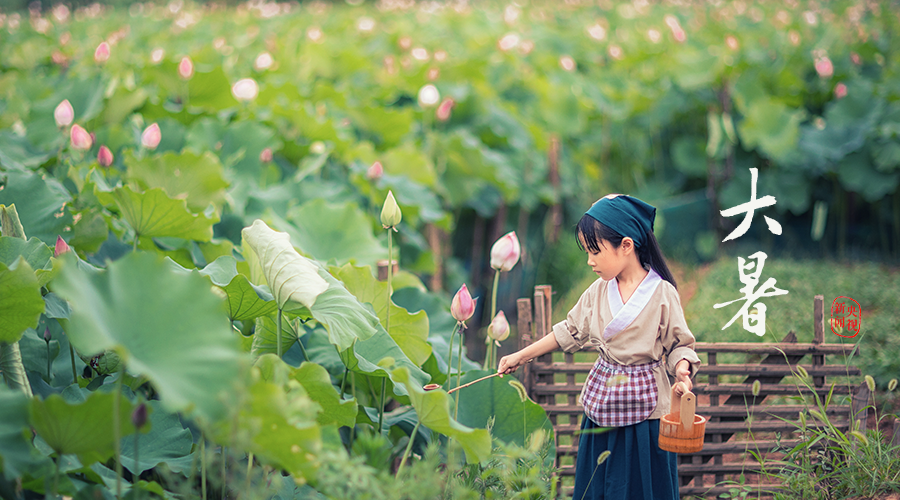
<point x="198" y="178"/>
<point x="246" y="301"/>
<point x="410" y="161"/>
<point x="390" y="123"/>
<point x="18" y="153"/>
<point x="34" y="251"/>
<point x="21" y="304"/>
<point x="153" y="213"/>
<point x="342" y="232"/>
<point x="35" y="352"/>
<point x="167" y="442"/>
<point x="83" y="429"/>
<point x="857" y="174"/>
<point x="293" y="279"/>
<point x="166" y="325"/>
<point x="17" y="454"/>
<point x="433" y="409"/>
<point x="887" y="156"/>
<point x="210" y="90"/>
<point x="770" y="126"/>
<point x="41" y="204"/>
<point x="696" y="69"/>
<point x="317" y="383"/>
<point x="277" y="423"/>
<point x="410" y="331"/>
<point x="265" y="336"/>
<point x="515" y="415"/>
<point x="243" y="141"/>
<point x="689" y="156"/>
<point x="346" y="319"/>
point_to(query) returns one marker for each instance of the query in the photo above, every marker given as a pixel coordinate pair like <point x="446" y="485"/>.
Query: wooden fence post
<point x="818" y="335"/>
<point x="523" y="321"/>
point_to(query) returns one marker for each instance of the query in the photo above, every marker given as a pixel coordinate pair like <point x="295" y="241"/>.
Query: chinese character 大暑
<point x="749" y="208"/>
<point x="749" y="273"/>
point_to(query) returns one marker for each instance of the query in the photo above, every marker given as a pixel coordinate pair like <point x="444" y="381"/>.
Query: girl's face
<point x="608" y="262"/>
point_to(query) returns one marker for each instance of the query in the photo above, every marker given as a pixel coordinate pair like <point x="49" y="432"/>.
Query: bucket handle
<point x="683" y="408"/>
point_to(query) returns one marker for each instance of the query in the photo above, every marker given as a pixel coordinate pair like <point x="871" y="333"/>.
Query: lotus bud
<point x="265" y="156"/>
<point x="102" y="53"/>
<point x="505" y="252"/>
<point x="462" y="307"/>
<point x="47" y="336"/>
<point x="840" y="90"/>
<point x="390" y="212"/>
<point x="499" y="327"/>
<point x="64" y="114"/>
<point x="104" y="156"/>
<point x="375" y="171"/>
<point x="443" y="111"/>
<point x="81" y="139"/>
<point x="429" y="96"/>
<point x="824" y="67"/>
<point x="151" y="137"/>
<point x="61" y="247"/>
<point x="245" y="89"/>
<point x="186" y="68"/>
<point x="139" y="416"/>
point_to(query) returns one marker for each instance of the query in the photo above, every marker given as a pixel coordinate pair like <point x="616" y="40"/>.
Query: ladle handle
<point x="683" y="408"/>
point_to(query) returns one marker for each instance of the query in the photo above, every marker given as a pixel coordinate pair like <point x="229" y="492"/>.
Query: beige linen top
<point x="658" y="330"/>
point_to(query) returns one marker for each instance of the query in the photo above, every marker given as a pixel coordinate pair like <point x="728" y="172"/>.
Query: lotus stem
<point x="302" y="347"/>
<point x="278" y="335"/>
<point x="387" y="323"/>
<point x="489" y="355"/>
<point x="458" y="374"/>
<point x="137" y="470"/>
<point x="117" y="430"/>
<point x="249" y="468"/>
<point x="450" y="354"/>
<point x="412" y="437"/>
<point x="203" y="467"/>
<point x="48" y="362"/>
<point x="468" y="384"/>
<point x="381" y="406"/>
<point x="72" y="355"/>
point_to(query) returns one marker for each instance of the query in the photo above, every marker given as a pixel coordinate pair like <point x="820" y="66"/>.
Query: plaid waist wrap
<point x="618" y="395"/>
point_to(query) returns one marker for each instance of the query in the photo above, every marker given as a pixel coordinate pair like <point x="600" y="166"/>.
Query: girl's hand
<point x="510" y="363"/>
<point x="683" y="374"/>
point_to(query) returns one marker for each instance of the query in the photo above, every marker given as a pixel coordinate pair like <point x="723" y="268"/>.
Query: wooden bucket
<point x="681" y="431"/>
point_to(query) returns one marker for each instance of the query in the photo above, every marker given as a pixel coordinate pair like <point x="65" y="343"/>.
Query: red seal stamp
<point x="845" y="313"/>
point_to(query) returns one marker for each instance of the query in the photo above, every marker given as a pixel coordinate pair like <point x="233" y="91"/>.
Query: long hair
<point x="592" y="232"/>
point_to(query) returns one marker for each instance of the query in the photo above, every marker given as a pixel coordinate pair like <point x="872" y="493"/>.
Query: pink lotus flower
<point x="61" y="247"/>
<point x="265" y="155"/>
<point x="840" y="91"/>
<point x="505" y="252"/>
<point x="102" y="53"/>
<point x="245" y="89"/>
<point x="824" y="67"/>
<point x="855" y="58"/>
<point x="186" y="68"/>
<point x="499" y="327"/>
<point x="64" y="114"/>
<point x="443" y="111"/>
<point x="375" y="171"/>
<point x="463" y="306"/>
<point x="104" y="156"/>
<point x="151" y="136"/>
<point x="81" y="139"/>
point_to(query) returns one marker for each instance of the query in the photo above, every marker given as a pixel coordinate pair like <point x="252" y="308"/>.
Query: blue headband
<point x="625" y="215"/>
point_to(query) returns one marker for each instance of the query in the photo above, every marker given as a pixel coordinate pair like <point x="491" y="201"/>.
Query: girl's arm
<point x="510" y="363"/>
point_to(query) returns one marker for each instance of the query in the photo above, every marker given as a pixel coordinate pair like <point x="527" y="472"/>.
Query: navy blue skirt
<point x="636" y="468"/>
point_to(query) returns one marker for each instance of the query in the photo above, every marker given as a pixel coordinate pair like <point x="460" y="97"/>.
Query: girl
<point x="632" y="315"/>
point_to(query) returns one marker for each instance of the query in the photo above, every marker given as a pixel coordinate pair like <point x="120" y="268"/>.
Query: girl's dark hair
<point x="592" y="231"/>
